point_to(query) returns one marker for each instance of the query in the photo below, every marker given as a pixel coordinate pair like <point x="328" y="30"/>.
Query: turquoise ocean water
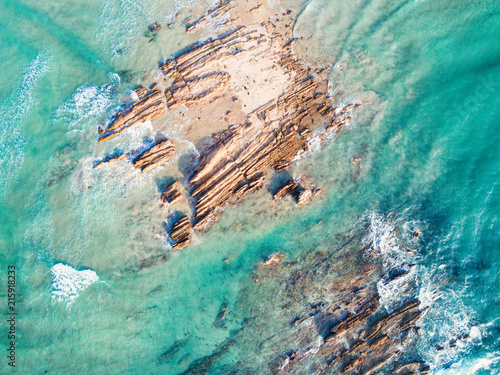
<point x="427" y="136"/>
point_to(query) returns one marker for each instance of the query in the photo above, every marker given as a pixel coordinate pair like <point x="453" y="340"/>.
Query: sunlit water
<point x="427" y="137"/>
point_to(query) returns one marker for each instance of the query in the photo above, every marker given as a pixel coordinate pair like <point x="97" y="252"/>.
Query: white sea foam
<point x="87" y="102"/>
<point x="484" y="363"/>
<point x="12" y="112"/>
<point x="472" y="366"/>
<point x="393" y="292"/>
<point x="124" y="22"/>
<point x="428" y="294"/>
<point x="393" y="241"/>
<point x="448" y="327"/>
<point x="68" y="283"/>
<point x="313" y="145"/>
<point x="383" y="239"/>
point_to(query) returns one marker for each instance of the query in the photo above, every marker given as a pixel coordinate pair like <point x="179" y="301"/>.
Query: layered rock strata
<point x="289" y="188"/>
<point x="251" y="108"/>
<point x="270" y="107"/>
<point x="358" y="335"/>
<point x="270" y="138"/>
<point x="157" y="155"/>
<point x="171" y="194"/>
<point x="149" y="106"/>
<point x="322" y="313"/>
<point x="299" y="193"/>
<point x="346" y="329"/>
<point x="180" y="233"/>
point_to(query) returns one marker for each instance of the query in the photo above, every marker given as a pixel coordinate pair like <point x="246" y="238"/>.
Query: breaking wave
<point x="449" y="328"/>
<point x="68" y="283"/>
<point x="87" y="102"/>
<point x="12" y="112"/>
<point x="395" y="242"/>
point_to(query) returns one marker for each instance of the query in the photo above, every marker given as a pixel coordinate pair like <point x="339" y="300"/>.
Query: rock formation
<point x="269" y="105"/>
<point x="221" y="315"/>
<point x="272" y="135"/>
<point x="299" y="193"/>
<point x="195" y="90"/>
<point x="322" y="313"/>
<point x="289" y="187"/>
<point x="274" y="259"/>
<point x="252" y="107"/>
<point x="109" y="160"/>
<point x="149" y="106"/>
<point x="361" y="337"/>
<point x="347" y="329"/>
<point x="171" y="194"/>
<point x="157" y="155"/>
<point x="305" y="196"/>
<point x="180" y="233"/>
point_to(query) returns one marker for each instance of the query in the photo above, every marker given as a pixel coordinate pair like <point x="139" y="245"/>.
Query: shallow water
<point x="427" y="137"/>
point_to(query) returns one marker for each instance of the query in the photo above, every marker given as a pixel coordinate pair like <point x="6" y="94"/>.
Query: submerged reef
<point x="320" y="313"/>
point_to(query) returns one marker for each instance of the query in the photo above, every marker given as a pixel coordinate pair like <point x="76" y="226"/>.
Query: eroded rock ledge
<point x="171" y="194"/>
<point x="149" y="106"/>
<point x="157" y="155"/>
<point x="269" y="106"/>
<point x="180" y="232"/>
<point x="302" y="195"/>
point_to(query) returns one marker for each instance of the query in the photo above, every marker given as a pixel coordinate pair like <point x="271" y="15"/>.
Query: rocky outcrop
<point x="305" y="196"/>
<point x="299" y="193"/>
<point x="222" y="7"/>
<point x="359" y="336"/>
<point x="273" y="134"/>
<point x="289" y="187"/>
<point x="372" y="335"/>
<point x="154" y="27"/>
<point x="157" y="155"/>
<point x="109" y="160"/>
<point x="321" y="313"/>
<point x="195" y="90"/>
<point x="273" y="259"/>
<point x="221" y="315"/>
<point x="345" y="329"/>
<point x="413" y="367"/>
<point x="250" y="150"/>
<point x="180" y="233"/>
<point x="172" y="350"/>
<point x="171" y="194"/>
<point x="149" y="106"/>
<point x="198" y="367"/>
<point x="270" y="108"/>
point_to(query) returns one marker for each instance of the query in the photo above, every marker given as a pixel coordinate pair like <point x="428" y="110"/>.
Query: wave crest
<point x="68" y="283"/>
